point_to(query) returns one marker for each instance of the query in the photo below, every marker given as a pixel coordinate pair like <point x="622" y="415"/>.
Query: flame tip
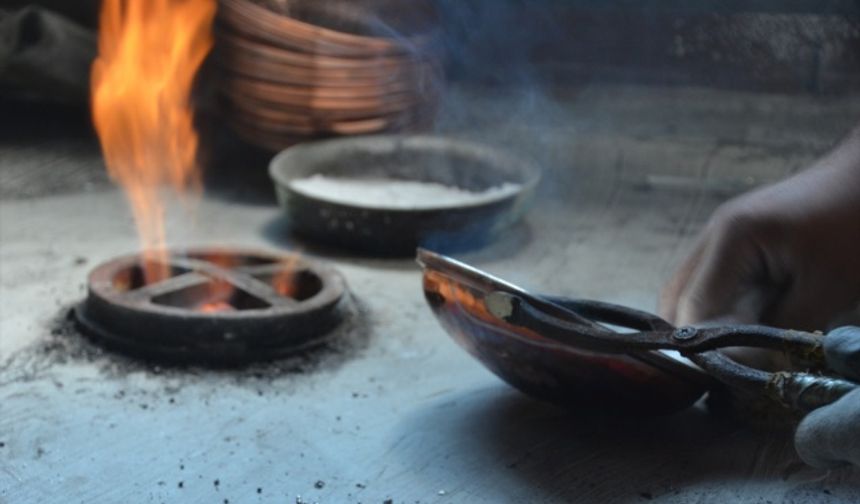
<point x="149" y="53"/>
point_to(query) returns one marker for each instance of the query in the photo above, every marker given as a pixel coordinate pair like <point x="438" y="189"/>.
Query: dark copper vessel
<point x="545" y="369"/>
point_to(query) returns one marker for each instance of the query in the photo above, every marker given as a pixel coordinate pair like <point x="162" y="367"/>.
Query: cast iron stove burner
<point x="216" y="307"/>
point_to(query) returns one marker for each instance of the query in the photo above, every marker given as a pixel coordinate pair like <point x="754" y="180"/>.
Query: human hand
<point x="830" y="436"/>
<point x="786" y="255"/>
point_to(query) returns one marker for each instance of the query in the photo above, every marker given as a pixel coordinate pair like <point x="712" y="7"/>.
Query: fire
<point x="284" y="282"/>
<point x="220" y="290"/>
<point x="149" y="52"/>
<point x="215" y="307"/>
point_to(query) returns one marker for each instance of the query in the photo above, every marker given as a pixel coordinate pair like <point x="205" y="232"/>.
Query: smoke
<point x="484" y="76"/>
<point x="498" y="89"/>
<point x="491" y="84"/>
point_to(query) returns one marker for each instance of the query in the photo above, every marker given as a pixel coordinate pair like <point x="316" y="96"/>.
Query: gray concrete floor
<point x="397" y="411"/>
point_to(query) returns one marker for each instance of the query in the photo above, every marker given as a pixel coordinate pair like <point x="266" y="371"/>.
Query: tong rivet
<point x="685" y="333"/>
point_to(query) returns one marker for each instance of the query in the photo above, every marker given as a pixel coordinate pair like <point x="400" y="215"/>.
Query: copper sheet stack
<point x="302" y="69"/>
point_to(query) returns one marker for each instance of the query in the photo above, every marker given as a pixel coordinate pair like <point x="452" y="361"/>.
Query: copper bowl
<point x="389" y="81"/>
<point x="376" y="65"/>
<point x="307" y="69"/>
<point x="248" y="103"/>
<point x="276" y="118"/>
<point x="275" y="124"/>
<point x="273" y="138"/>
<point x="584" y="380"/>
<point x="290" y="31"/>
<point x="420" y="77"/>
<point x="292" y="93"/>
<point x="274" y="96"/>
<point x="280" y="125"/>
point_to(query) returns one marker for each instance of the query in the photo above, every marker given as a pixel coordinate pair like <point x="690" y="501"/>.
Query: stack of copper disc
<point x="302" y="69"/>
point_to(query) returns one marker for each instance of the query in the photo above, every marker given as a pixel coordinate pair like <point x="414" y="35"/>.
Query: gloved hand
<point x="830" y="436"/>
<point x="786" y="255"/>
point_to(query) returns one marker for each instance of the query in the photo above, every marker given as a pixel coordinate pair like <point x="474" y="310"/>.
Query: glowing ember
<point x="215" y="306"/>
<point x="220" y="290"/>
<point x="284" y="282"/>
<point x="149" y="52"/>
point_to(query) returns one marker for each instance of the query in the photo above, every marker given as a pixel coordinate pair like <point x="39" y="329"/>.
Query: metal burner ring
<point x="262" y="318"/>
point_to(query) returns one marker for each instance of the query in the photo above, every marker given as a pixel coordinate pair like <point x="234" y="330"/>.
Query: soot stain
<point x="65" y="344"/>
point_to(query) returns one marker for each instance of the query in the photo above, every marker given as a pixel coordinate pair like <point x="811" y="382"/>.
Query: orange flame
<point x="215" y="307"/>
<point x="149" y="52"/>
<point x="220" y="290"/>
<point x="284" y="282"/>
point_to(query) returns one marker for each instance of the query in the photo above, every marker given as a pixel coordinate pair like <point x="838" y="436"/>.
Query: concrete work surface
<point x="395" y="412"/>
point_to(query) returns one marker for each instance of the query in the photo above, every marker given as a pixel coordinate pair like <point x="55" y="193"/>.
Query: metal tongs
<point x="801" y="391"/>
<point x="591" y="325"/>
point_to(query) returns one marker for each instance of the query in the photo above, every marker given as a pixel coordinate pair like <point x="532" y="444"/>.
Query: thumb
<point x="829" y="437"/>
<point x="842" y="351"/>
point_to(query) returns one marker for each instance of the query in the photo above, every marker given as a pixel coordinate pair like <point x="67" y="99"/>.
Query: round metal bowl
<point x="382" y="230"/>
<point x="584" y="380"/>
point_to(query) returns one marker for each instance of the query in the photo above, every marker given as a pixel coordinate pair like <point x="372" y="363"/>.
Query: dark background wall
<point x="764" y="45"/>
<point x="795" y="46"/>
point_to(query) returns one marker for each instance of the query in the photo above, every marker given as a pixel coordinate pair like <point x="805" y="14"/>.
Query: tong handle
<point x="609" y="313"/>
<point x="797" y="391"/>
<point x="653" y="333"/>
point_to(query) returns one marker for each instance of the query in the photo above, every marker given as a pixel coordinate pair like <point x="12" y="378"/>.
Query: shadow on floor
<point x="511" y="446"/>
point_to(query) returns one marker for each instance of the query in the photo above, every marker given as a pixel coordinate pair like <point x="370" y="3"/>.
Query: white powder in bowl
<point x="396" y="194"/>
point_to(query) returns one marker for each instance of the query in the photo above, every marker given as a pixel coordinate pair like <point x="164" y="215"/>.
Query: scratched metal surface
<point x="399" y="412"/>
